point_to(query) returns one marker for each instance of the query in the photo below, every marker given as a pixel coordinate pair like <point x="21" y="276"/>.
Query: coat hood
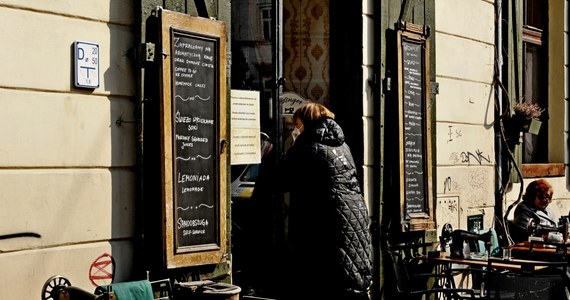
<point x="325" y="131"/>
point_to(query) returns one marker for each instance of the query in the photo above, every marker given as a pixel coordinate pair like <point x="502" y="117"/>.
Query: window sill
<point x="542" y="170"/>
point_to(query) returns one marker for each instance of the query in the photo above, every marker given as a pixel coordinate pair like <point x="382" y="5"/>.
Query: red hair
<point x="311" y="112"/>
<point x="537" y="187"/>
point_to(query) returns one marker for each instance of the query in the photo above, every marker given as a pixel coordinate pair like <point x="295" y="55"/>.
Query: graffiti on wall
<point x="473" y="189"/>
<point x="102" y="270"/>
<point x="453" y="134"/>
<point x="470" y="158"/>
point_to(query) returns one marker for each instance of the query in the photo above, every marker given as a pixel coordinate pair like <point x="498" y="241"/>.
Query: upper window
<point x="535" y="147"/>
<point x="266" y="20"/>
<point x="543" y="84"/>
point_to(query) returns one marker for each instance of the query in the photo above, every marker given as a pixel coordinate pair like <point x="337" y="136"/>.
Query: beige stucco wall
<point x="465" y="137"/>
<point x="465" y="38"/>
<point x="66" y="168"/>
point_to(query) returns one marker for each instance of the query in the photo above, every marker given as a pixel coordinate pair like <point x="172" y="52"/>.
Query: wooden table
<point x="495" y="267"/>
<point x="541" y="251"/>
<point x="540" y="247"/>
<point x="519" y="265"/>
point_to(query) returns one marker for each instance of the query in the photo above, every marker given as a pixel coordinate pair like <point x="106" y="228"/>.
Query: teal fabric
<point x="132" y="290"/>
<point x="494" y="242"/>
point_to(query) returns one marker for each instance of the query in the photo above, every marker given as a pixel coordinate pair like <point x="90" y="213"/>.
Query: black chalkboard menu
<point x="415" y="132"/>
<point x="194" y="112"/>
<point x="193" y="135"/>
<point x="414" y="125"/>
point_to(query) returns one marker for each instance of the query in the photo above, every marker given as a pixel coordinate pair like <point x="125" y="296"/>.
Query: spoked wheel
<point x="53" y="286"/>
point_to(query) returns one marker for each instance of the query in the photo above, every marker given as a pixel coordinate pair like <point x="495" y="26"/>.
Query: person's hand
<point x="266" y="148"/>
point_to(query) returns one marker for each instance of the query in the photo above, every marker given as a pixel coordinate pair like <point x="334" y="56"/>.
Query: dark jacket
<point x="328" y="219"/>
<point x="524" y="213"/>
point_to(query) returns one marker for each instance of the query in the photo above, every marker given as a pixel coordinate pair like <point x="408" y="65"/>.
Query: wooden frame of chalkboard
<point x="193" y="136"/>
<point x="415" y="151"/>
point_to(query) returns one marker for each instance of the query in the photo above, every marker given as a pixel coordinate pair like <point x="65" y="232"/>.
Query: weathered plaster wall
<point x="465" y="37"/>
<point x="66" y="167"/>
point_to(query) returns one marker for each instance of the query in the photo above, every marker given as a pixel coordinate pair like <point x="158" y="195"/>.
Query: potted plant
<point x="526" y="117"/>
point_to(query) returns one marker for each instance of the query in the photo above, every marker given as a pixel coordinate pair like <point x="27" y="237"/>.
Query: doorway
<point x="292" y="66"/>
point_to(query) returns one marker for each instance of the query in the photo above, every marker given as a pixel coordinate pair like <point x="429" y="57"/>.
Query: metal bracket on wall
<point x="434" y="88"/>
<point x="147" y="53"/>
<point x="201" y="8"/>
<point x="387" y="82"/>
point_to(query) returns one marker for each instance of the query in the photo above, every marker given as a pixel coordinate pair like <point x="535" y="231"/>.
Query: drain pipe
<point x="497" y="114"/>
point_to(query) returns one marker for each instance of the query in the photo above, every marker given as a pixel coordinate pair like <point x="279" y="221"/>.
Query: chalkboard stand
<point x="192" y="54"/>
<point x="415" y="150"/>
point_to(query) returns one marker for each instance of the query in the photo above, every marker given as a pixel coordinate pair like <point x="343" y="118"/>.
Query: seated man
<point x="534" y="206"/>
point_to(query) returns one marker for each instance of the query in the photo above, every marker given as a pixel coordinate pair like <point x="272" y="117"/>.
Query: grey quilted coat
<point x="329" y="230"/>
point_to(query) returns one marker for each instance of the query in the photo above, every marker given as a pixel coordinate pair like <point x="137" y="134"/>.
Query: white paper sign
<point x="245" y="127"/>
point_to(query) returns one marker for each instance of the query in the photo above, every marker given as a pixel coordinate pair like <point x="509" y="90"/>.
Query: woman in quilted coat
<point x="329" y="234"/>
